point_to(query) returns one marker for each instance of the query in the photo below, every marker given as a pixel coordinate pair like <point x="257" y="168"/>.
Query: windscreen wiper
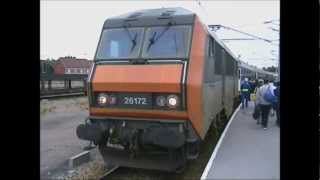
<point x="154" y="39"/>
<point x="133" y="40"/>
<point x="175" y="42"/>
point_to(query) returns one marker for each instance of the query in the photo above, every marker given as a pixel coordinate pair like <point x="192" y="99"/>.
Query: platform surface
<point x="247" y="151"/>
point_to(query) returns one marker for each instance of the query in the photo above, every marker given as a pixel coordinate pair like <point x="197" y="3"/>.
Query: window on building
<point x="67" y="71"/>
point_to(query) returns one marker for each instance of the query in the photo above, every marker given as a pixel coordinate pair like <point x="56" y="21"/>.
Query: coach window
<point x="211" y="47"/>
<point x="209" y="67"/>
<point x="218" y="59"/>
<point x="235" y="67"/>
<point x="229" y="65"/>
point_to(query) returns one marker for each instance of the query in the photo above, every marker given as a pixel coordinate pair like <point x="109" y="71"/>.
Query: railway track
<point x="62" y="95"/>
<point x="58" y="92"/>
<point x="109" y="171"/>
<point x="194" y="169"/>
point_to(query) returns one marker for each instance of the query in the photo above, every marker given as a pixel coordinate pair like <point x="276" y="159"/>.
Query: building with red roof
<point x="72" y="65"/>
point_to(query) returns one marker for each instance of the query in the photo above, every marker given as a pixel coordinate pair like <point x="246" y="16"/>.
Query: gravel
<point x="58" y="141"/>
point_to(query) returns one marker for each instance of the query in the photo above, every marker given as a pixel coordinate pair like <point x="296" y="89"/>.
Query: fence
<point x="63" y="84"/>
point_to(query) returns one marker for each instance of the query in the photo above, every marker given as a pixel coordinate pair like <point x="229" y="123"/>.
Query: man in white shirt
<point x="263" y="104"/>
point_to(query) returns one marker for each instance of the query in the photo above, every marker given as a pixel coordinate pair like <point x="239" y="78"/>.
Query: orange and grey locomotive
<point x="158" y="82"/>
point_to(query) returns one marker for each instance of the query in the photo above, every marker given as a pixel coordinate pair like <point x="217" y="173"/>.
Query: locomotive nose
<point x="138" y="78"/>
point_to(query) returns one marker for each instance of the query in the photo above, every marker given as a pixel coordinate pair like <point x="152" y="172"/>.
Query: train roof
<point x="247" y="66"/>
<point x="222" y="44"/>
<point x="152" y="17"/>
<point x="241" y="64"/>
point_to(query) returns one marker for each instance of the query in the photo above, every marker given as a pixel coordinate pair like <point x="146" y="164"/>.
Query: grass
<point x="45" y="110"/>
<point x="91" y="170"/>
<point x="80" y="103"/>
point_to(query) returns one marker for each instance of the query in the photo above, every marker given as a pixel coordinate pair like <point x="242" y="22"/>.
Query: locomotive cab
<point x="150" y="103"/>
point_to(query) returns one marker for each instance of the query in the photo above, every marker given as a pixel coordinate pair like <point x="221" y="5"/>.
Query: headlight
<point x="161" y="101"/>
<point x="102" y="99"/>
<point x="172" y="101"/>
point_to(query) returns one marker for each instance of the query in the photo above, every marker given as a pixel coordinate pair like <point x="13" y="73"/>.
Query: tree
<point x="270" y="69"/>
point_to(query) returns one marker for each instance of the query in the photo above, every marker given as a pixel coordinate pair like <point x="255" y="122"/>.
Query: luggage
<point x="256" y="112"/>
<point x="253" y="97"/>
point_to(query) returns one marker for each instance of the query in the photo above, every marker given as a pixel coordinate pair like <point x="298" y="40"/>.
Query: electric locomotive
<point x="158" y="82"/>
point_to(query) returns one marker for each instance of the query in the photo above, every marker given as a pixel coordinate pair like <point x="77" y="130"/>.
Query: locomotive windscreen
<point x="167" y="42"/>
<point x="122" y="43"/>
<point x="159" y="42"/>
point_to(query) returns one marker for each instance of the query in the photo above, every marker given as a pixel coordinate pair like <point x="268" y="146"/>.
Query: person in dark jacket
<point x="253" y="85"/>
<point x="277" y="104"/>
<point x="245" y="93"/>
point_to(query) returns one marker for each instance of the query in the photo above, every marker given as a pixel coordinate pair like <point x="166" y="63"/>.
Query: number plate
<point x="135" y="100"/>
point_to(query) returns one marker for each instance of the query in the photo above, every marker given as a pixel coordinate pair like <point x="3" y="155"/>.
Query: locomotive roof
<point x="151" y="17"/>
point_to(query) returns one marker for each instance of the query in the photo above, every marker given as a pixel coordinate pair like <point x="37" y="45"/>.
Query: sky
<point x="72" y="28"/>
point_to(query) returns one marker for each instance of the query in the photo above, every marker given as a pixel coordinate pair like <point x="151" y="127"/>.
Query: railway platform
<point x="245" y="150"/>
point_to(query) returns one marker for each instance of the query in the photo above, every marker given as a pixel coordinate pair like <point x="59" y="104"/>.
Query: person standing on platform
<point x="277" y="104"/>
<point x="257" y="110"/>
<point x="253" y="85"/>
<point x="264" y="105"/>
<point x="259" y="83"/>
<point x="245" y="93"/>
<point x="273" y="106"/>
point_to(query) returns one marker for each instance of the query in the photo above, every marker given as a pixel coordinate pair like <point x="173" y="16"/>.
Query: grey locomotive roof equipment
<point x="151" y="17"/>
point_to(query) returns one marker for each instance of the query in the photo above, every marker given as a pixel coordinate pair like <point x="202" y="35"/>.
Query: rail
<point x="61" y="95"/>
<point x="109" y="171"/>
